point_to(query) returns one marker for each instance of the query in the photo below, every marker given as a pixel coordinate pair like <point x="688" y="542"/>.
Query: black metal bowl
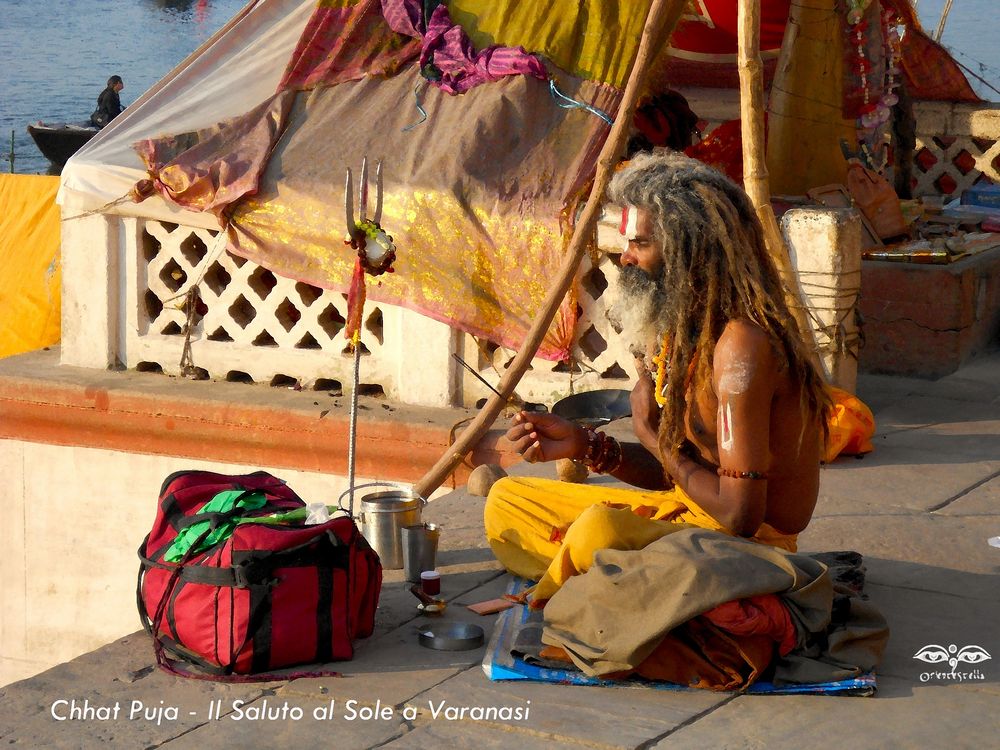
<point x="594" y="408"/>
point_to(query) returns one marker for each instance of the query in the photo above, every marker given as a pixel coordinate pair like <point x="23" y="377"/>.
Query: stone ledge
<point x="929" y="320"/>
<point x="44" y="402"/>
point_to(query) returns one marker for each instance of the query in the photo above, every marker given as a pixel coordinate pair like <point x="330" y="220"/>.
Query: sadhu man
<point x="728" y="410"/>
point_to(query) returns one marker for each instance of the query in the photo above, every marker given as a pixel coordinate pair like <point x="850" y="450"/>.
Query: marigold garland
<point x="661" y="361"/>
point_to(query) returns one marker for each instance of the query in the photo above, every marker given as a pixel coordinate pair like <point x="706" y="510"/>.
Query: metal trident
<point x="359" y="241"/>
<point x="352" y="226"/>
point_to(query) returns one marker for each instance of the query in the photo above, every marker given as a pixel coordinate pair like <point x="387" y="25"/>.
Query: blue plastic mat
<point x="499" y="663"/>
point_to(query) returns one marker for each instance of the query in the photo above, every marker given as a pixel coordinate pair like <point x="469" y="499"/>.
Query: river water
<point x="969" y="35"/>
<point x="56" y="55"/>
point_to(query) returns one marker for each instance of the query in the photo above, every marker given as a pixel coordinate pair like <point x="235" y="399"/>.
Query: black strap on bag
<point x="254" y="575"/>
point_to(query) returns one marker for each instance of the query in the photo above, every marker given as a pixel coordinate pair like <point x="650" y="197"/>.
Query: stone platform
<point x="920" y="509"/>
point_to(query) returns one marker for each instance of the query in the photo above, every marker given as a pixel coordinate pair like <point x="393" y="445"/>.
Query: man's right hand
<point x="539" y="436"/>
<point x="645" y="410"/>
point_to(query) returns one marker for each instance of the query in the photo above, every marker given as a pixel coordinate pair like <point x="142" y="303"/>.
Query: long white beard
<point x="638" y="311"/>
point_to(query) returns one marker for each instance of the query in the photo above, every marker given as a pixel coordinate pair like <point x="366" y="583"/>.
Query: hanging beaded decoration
<point x="874" y="115"/>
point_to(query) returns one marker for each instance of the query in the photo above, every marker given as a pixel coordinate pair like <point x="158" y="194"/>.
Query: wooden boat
<point x="59" y="141"/>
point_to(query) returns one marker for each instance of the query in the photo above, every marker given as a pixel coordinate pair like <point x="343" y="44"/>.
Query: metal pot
<point x="382" y="516"/>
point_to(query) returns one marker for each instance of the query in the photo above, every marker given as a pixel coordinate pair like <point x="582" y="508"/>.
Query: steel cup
<point x="420" y="543"/>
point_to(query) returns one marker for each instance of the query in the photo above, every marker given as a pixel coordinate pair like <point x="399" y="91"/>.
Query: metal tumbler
<point x="420" y="542"/>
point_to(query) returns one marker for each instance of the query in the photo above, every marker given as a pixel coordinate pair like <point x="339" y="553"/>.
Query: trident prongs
<point x="377" y="217"/>
<point x="353" y="225"/>
<point x="364" y="188"/>
<point x="352" y="228"/>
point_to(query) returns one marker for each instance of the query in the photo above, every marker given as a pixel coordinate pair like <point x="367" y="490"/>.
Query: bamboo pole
<point x="755" y="174"/>
<point x="660" y="21"/>
<point x="944" y="19"/>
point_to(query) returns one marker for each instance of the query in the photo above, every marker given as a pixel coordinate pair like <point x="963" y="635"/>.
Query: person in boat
<point x="109" y="105"/>
<point x="728" y="410"/>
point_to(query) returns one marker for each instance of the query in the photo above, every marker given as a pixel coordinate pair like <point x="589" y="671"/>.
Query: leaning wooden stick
<point x="660" y="21"/>
<point x="755" y="176"/>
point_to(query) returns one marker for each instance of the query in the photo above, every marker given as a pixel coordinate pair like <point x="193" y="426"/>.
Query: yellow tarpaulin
<point x="591" y="39"/>
<point x="29" y="263"/>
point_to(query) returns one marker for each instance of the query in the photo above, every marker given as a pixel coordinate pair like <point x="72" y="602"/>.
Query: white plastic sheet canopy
<point x="239" y="67"/>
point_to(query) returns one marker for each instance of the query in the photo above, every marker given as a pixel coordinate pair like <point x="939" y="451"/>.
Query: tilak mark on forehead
<point x="630" y="220"/>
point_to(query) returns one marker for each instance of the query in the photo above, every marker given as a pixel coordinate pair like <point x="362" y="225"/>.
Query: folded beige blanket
<point x="612" y="617"/>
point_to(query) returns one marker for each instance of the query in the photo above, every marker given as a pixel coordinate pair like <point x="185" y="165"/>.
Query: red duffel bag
<point x="250" y="588"/>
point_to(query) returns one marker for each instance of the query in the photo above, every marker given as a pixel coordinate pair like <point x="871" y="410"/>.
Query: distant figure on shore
<point x="109" y="106"/>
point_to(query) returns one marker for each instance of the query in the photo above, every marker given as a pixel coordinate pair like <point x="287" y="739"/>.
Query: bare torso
<point x="769" y="453"/>
<point x="793" y="442"/>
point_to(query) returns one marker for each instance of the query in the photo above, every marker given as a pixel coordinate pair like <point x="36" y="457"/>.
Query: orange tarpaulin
<point x="29" y="263"/>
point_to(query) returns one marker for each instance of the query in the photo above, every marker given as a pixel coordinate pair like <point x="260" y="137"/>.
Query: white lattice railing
<point x="261" y="328"/>
<point x="257" y="327"/>
<point x="958" y="145"/>
<point x="598" y="358"/>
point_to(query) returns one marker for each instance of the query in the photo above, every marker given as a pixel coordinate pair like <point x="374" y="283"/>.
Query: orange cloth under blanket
<point x="700" y="655"/>
<point x="726" y="648"/>
<point x="764" y="614"/>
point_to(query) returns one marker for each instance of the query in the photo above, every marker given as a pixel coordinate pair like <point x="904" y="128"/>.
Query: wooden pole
<point x="755" y="175"/>
<point x="944" y="19"/>
<point x="660" y="21"/>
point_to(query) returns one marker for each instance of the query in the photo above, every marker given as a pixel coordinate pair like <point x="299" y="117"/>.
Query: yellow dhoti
<point x="548" y="531"/>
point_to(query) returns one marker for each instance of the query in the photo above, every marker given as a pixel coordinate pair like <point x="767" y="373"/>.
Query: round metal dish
<point x="594" y="408"/>
<point x="451" y="636"/>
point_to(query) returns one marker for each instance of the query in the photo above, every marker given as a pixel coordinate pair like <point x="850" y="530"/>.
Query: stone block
<point x="928" y="553"/>
<point x="433" y="379"/>
<point x="879" y="391"/>
<point x="937" y="404"/>
<point x="119" y="674"/>
<point x="920" y="618"/>
<point x="982" y="500"/>
<point x="397" y="605"/>
<point x="90" y="270"/>
<point x="391" y="667"/>
<point x="466" y="734"/>
<point x="981" y="121"/>
<point x="956" y="387"/>
<point x="825" y="249"/>
<point x="897" y="479"/>
<point x="569" y="715"/>
<point x="934" y="118"/>
<point x="16" y="662"/>
<point x="357" y="733"/>
<point x="927" y="320"/>
<point x="904" y="714"/>
<point x="983" y="370"/>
